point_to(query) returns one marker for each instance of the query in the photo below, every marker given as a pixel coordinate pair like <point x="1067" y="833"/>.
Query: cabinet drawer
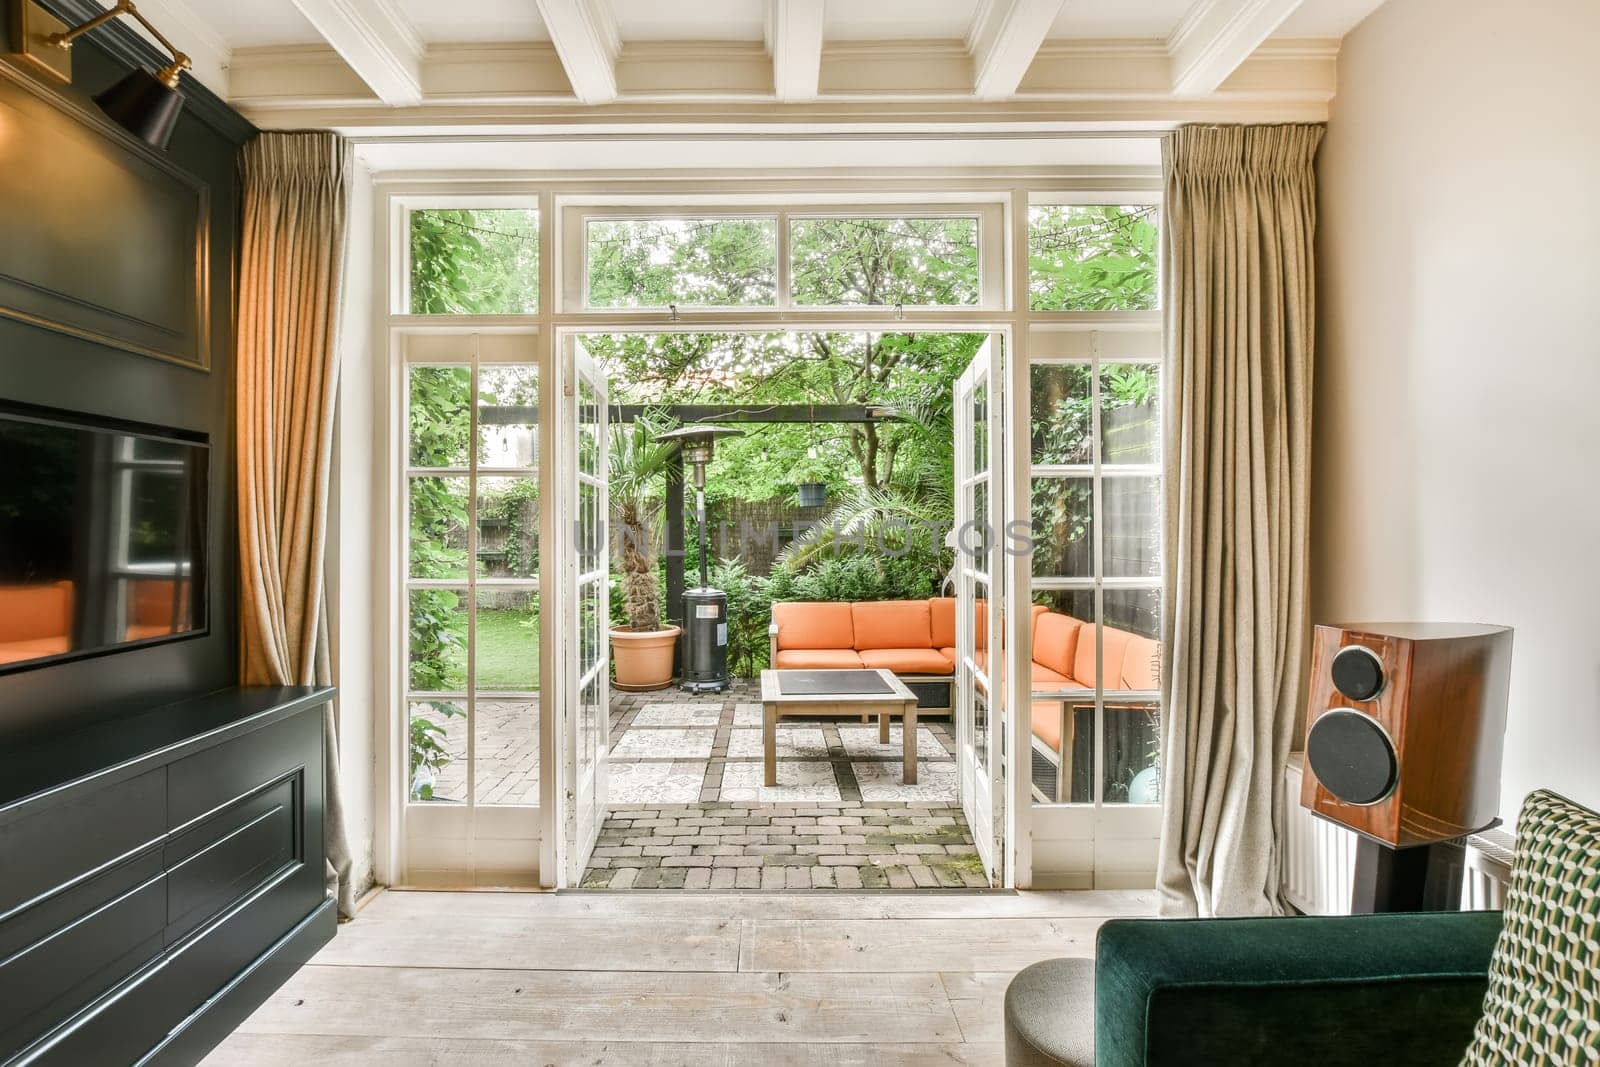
<point x="207" y="781"/>
<point x="48" y="844"/>
<point x="230" y="854"/>
<point x="53" y="978"/>
<point x="142" y="1013"/>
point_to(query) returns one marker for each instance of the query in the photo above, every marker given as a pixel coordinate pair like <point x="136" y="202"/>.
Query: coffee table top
<point x="856" y="685"/>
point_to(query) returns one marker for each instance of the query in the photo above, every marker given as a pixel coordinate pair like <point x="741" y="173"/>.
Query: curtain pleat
<point x="1239" y="293"/>
<point x="291" y="273"/>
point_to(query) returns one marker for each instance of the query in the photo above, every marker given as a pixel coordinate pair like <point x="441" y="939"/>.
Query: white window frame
<point x="999" y="197"/>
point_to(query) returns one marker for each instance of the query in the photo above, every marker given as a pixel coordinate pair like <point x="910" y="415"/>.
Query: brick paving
<point x="815" y="831"/>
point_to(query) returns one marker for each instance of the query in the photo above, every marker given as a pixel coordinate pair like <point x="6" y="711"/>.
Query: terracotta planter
<point x="643" y="660"/>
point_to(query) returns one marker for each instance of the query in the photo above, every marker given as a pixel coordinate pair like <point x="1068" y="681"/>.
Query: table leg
<point x="883" y="728"/>
<point x="908" y="745"/>
<point x="769" y="743"/>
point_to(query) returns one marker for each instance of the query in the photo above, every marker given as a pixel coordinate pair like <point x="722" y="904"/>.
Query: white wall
<point x="355" y="621"/>
<point x="1458" y="382"/>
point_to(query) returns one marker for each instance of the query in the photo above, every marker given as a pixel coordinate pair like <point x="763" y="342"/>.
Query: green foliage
<point x="482" y="261"/>
<point x="704" y="262"/>
<point x="1092" y="258"/>
<point x="638" y="466"/>
<point x="749" y="614"/>
<point x="427" y="746"/>
<point x="911" y="261"/>
<point x="855" y="578"/>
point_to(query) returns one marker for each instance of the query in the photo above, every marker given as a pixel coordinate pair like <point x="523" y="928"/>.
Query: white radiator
<point x="1319" y="859"/>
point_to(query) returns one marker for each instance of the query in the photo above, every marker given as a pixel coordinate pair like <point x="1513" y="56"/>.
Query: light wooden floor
<point x="670" y="978"/>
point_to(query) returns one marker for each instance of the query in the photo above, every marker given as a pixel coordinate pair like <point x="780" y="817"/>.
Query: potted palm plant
<point x="642" y="650"/>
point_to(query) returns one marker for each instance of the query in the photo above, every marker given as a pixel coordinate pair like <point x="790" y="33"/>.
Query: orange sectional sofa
<point x="917" y="638"/>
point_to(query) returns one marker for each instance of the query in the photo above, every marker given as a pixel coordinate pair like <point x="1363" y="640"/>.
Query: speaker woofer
<point x="1357" y="672"/>
<point x="1352" y="756"/>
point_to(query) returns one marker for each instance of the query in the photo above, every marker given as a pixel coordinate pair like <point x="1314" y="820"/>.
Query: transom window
<point x="800" y="257"/>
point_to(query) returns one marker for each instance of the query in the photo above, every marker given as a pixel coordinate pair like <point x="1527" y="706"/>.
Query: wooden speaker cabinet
<point x="1405" y="727"/>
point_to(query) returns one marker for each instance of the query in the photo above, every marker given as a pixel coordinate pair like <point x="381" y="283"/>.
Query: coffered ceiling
<point x="435" y="63"/>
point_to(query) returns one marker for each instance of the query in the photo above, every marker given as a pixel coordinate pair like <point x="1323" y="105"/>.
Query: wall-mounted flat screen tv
<point x="102" y="535"/>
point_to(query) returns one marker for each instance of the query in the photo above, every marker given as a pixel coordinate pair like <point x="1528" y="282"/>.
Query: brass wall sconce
<point x="144" y="104"/>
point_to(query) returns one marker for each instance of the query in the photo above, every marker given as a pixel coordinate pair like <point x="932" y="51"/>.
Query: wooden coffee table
<point x="842" y="693"/>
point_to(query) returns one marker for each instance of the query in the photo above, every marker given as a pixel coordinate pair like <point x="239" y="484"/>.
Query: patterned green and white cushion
<point x="1543" y="1003"/>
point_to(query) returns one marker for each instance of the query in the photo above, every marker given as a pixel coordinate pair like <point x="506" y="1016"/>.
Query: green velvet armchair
<point x="1358" y="990"/>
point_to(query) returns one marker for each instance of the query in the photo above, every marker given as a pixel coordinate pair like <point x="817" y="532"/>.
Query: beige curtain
<point x="1239" y="290"/>
<point x="291" y="270"/>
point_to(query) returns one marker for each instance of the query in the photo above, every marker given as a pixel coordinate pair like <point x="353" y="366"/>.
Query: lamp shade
<point x="143" y="106"/>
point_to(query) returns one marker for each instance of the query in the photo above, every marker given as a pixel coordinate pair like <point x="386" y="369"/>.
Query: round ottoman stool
<point x="1050" y="1015"/>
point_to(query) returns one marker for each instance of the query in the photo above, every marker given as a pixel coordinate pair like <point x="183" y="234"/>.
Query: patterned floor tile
<point x="936" y="781"/>
<point x="793" y="742"/>
<point x="797" y="783"/>
<point x="654" y="783"/>
<point x="678" y="715"/>
<point x="861" y="742"/>
<point x="664" y="744"/>
<point x="747" y="715"/>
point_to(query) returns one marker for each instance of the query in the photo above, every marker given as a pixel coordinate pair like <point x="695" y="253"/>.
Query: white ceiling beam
<point x="585" y="37"/>
<point x="794" y="37"/>
<point x="1216" y="36"/>
<point x="377" y="40"/>
<point x="1005" y="36"/>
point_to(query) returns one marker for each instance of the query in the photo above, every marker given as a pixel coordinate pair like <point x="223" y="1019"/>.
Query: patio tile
<point x="678" y="715"/>
<point x="797" y="783"/>
<point x="936" y="781"/>
<point x="665" y="744"/>
<point x="747" y="715"/>
<point x="861" y="742"/>
<point x="793" y="741"/>
<point x="654" y="783"/>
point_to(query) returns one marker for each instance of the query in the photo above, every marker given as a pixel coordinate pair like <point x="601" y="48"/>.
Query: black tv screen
<point x="102" y="535"/>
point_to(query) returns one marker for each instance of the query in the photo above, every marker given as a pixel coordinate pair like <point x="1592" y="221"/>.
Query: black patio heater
<point x="705" y="610"/>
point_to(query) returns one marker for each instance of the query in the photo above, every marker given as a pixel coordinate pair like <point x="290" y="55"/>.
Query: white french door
<point x="583" y="649"/>
<point x="980" y="698"/>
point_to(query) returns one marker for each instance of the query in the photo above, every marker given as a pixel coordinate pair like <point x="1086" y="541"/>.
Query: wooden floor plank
<point x="609" y="1006"/>
<point x="979" y="1001"/>
<point x="678" y="904"/>
<point x="670" y="978"/>
<point x="912" y="945"/>
<point x="294" y="1050"/>
<point x="451" y="939"/>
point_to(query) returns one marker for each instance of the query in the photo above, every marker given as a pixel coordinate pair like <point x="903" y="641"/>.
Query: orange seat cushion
<point x="1116" y="647"/>
<point x="1047" y="723"/>
<point x="891" y="624"/>
<point x="36" y="612"/>
<point x="907" y="660"/>
<point x="1055" y="641"/>
<point x="1045" y="678"/>
<point x="942" y="621"/>
<point x="1141" y="664"/>
<point x="38" y="648"/>
<point x="808" y="625"/>
<point x="817" y="659"/>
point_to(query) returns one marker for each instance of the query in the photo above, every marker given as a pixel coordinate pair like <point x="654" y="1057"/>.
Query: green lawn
<point x="508" y="649"/>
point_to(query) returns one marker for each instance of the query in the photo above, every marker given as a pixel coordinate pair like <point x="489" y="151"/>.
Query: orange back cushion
<point x="1083" y="664"/>
<point x="892" y="624"/>
<point x="28" y="612"/>
<point x="942" y="616"/>
<point x="1055" y="641"/>
<point x="803" y="624"/>
<point x="1141" y="664"/>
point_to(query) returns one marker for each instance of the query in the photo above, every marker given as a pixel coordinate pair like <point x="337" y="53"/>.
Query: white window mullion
<point x="1097" y="761"/>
